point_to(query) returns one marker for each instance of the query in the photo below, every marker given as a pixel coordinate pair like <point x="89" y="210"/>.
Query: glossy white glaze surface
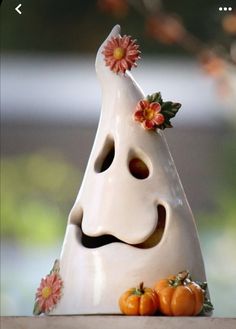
<point x="115" y="202"/>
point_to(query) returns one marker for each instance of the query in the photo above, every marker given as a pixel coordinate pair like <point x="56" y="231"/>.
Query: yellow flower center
<point x="119" y="53"/>
<point x="46" y="292"/>
<point x="148" y="114"/>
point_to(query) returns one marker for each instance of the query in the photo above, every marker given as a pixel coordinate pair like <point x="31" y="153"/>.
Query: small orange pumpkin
<point x="139" y="301"/>
<point x="179" y="295"/>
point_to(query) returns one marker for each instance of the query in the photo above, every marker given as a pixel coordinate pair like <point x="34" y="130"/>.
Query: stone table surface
<point x="115" y="322"/>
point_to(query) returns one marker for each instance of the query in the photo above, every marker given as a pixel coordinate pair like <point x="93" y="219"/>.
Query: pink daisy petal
<point x="124" y="64"/>
<point x="125" y="42"/>
<point x="43" y="282"/>
<point x="130" y="62"/>
<point x="133" y="43"/>
<point x="38" y="294"/>
<point x="56" y="288"/>
<point x="41" y="303"/>
<point x="51" y="279"/>
<point x="132" y="53"/>
<point x="115" y="42"/>
<point x="112" y="63"/>
<point x="48" y="305"/>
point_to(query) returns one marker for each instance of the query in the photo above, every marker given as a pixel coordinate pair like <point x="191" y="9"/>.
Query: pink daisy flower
<point x="149" y="114"/>
<point x="49" y="292"/>
<point x="121" y="53"/>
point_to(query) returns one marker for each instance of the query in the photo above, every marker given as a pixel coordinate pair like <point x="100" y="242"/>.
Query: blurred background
<point x="50" y="104"/>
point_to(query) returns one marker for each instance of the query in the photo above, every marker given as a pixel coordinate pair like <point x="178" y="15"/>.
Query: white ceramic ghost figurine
<point x="131" y="221"/>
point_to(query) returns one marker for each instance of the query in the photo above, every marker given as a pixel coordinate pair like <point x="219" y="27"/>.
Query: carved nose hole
<point x="138" y="168"/>
<point x="106" y="156"/>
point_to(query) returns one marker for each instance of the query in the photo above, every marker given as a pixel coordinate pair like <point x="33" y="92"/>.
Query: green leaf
<point x="203" y="285"/>
<point x="166" y="105"/>
<point x="169" y="109"/>
<point x="167" y="122"/>
<point x="37" y="310"/>
<point x="176" y="106"/>
<point x="156" y="97"/>
<point x="168" y="114"/>
<point x="168" y="125"/>
<point x="56" y="266"/>
<point x="207" y="307"/>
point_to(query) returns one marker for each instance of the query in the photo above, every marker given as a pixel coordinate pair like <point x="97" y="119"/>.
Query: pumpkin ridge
<point x="182" y="290"/>
<point x="198" y="296"/>
<point x="170" y="291"/>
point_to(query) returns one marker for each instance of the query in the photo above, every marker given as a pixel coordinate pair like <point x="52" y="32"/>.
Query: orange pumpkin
<point x="179" y="295"/>
<point x="139" y="301"/>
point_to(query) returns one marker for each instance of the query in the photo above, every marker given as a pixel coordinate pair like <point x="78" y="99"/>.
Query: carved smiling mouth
<point x="152" y="240"/>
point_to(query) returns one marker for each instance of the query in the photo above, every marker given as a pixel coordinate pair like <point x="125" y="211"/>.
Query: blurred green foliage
<point x="37" y="192"/>
<point x="222" y="218"/>
<point x="217" y="229"/>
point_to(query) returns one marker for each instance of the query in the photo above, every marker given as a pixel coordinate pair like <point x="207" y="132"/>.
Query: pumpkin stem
<point x="141" y="287"/>
<point x="139" y="290"/>
<point x="182" y="278"/>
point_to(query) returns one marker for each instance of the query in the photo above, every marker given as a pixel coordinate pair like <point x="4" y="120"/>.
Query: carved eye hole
<point x="138" y="168"/>
<point x="106" y="156"/>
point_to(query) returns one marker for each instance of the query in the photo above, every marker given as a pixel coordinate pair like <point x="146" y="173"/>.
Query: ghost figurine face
<point x="131" y="221"/>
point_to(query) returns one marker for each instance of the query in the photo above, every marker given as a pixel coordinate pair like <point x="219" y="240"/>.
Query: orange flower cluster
<point x="229" y="23"/>
<point x="212" y="64"/>
<point x="165" y="28"/>
<point x="118" y="8"/>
